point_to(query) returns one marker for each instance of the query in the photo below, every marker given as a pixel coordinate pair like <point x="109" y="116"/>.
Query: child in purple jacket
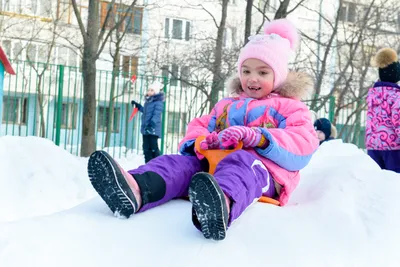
<point x="383" y="118"/>
<point x="265" y="113"/>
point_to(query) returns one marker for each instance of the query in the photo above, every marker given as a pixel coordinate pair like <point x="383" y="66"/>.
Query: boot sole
<point x="209" y="205"/>
<point x="110" y="184"/>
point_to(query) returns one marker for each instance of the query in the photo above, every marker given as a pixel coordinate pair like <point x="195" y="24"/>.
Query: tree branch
<point x="79" y="19"/>
<point x="212" y="16"/>
<point x="115" y="27"/>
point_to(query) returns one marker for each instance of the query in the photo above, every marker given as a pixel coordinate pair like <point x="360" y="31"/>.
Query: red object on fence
<point x="135" y="110"/>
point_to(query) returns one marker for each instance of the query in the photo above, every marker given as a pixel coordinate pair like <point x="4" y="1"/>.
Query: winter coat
<point x="152" y="115"/>
<point x="283" y="119"/>
<point x="383" y="117"/>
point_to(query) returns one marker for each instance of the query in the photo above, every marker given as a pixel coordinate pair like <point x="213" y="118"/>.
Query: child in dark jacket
<point x="151" y="120"/>
<point x="383" y="117"/>
<point x="325" y="130"/>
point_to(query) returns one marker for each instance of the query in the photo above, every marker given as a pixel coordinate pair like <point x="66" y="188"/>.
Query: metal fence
<point x="47" y="101"/>
<point x="349" y="116"/>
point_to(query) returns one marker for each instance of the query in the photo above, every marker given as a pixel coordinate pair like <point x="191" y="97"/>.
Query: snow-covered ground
<point x="345" y="212"/>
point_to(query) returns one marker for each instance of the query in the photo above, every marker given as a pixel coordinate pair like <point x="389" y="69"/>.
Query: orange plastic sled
<point x="214" y="156"/>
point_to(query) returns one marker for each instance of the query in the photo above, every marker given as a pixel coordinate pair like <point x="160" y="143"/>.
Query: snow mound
<point x="39" y="178"/>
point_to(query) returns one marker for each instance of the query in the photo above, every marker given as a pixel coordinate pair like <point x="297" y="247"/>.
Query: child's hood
<point x="298" y="85"/>
<point x="387" y="84"/>
<point x="157" y="97"/>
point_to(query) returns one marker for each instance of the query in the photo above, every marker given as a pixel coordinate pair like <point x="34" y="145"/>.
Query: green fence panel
<point x="46" y="100"/>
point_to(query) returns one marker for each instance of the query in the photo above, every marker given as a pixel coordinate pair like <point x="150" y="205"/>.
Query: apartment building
<point x="167" y="38"/>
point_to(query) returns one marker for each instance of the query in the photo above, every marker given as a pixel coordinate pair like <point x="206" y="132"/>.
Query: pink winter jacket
<point x="383" y="117"/>
<point x="284" y="120"/>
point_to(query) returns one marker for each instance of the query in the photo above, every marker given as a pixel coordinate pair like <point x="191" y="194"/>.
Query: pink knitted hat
<point x="273" y="47"/>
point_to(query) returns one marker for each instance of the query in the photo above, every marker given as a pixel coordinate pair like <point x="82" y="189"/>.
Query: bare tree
<point x="343" y="68"/>
<point x="218" y="80"/>
<point x="247" y="30"/>
<point x="281" y="11"/>
<point x="95" y="37"/>
<point x="116" y="41"/>
<point x="39" y="34"/>
<point x="40" y="69"/>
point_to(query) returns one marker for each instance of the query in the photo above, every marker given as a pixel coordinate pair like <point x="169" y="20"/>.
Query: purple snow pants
<point x="240" y="175"/>
<point x="386" y="159"/>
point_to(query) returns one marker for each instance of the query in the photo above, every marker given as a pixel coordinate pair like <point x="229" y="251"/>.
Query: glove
<point x="211" y="141"/>
<point x="135" y="104"/>
<point x="149" y="131"/>
<point x="231" y="136"/>
<point x="150" y="128"/>
<point x="198" y="155"/>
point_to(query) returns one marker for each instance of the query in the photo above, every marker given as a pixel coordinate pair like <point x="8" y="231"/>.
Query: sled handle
<point x="214" y="156"/>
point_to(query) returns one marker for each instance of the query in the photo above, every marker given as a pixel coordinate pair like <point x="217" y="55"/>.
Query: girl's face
<point x="257" y="78"/>
<point x="150" y="92"/>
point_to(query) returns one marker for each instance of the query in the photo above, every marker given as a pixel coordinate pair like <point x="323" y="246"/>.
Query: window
<point x="103" y="119"/>
<point x="31" y="52"/>
<point x="177" y="29"/>
<point x="43" y="53"/>
<point x="129" y="66"/>
<point x="62" y="55"/>
<point x="6" y="45"/>
<point x="69" y="114"/>
<point x="176" y="122"/>
<point x="17" y="51"/>
<point x="73" y="58"/>
<point x="15" y="110"/>
<point x="12" y="49"/>
<point x="65" y="11"/>
<point x="67" y="56"/>
<point x="37" y="52"/>
<point x="176" y="73"/>
<point x="348" y="12"/>
<point x="44" y="8"/>
<point x="185" y="75"/>
<point x="362" y="11"/>
<point x="230" y="35"/>
<point x="28" y="7"/>
<point x="398" y="21"/>
<point x="165" y="72"/>
<point x="369" y="52"/>
<point x="130" y="19"/>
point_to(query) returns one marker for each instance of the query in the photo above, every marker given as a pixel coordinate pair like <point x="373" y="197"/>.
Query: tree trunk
<point x="88" y="144"/>
<point x="90" y="50"/>
<point x="41" y="111"/>
<point x="217" y="82"/>
<point x="247" y="30"/>
<point x="110" y="118"/>
<point x="282" y="9"/>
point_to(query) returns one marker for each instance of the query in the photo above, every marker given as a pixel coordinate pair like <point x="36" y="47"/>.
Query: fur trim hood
<point x="298" y="85"/>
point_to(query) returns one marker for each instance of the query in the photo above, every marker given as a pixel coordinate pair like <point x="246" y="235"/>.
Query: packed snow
<point x="345" y="212"/>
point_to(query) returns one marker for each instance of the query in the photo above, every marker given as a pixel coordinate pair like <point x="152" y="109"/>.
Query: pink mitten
<point x="211" y="141"/>
<point x="198" y="155"/>
<point x="231" y="136"/>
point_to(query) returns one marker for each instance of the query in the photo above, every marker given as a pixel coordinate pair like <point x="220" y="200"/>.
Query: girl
<point x="265" y="113"/>
<point x="151" y="120"/>
<point x="383" y="117"/>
